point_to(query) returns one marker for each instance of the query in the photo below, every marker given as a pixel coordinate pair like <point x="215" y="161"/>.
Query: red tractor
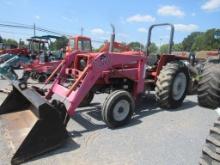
<point x="8" y="53"/>
<point x="35" y="45"/>
<point x="41" y="57"/>
<point x="125" y="76"/>
<point x="22" y="51"/>
<point x="4" y="50"/>
<point x="40" y="68"/>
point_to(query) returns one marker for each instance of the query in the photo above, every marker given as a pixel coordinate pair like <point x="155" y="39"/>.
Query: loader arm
<point x="88" y="77"/>
<point x="62" y="66"/>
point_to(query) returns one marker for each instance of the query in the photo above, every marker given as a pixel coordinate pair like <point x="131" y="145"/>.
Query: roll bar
<point x="171" y="36"/>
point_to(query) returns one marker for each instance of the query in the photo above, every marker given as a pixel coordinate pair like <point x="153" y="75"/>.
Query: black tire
<point x="87" y="100"/>
<point x="209" y="86"/>
<point x="192" y="87"/>
<point x="210" y="151"/>
<point x="42" y="78"/>
<point x="111" y="102"/>
<point x="60" y="106"/>
<point x="33" y="75"/>
<point x="36" y="76"/>
<point x="26" y="76"/>
<point x="22" y="85"/>
<point x="16" y="66"/>
<point x="165" y="82"/>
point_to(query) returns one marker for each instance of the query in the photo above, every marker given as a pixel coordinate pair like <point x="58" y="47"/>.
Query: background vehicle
<point x="209" y="87"/>
<point x="209" y="96"/>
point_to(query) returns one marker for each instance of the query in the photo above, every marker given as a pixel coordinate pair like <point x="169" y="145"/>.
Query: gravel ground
<point x="153" y="137"/>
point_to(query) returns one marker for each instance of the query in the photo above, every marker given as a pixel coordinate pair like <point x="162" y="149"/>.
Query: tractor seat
<point x="152" y="59"/>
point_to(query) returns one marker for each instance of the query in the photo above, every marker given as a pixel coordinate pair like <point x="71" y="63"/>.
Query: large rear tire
<point x="209" y="86"/>
<point x="172" y="85"/>
<point x="118" y="109"/>
<point x="210" y="151"/>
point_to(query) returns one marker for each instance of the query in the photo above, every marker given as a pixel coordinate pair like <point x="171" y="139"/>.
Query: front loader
<point x="16" y="58"/>
<point x="7" y="67"/>
<point x="125" y="76"/>
<point x="50" y="130"/>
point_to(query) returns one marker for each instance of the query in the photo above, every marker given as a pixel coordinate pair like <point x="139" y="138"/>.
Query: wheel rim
<point x="179" y="86"/>
<point x="121" y="110"/>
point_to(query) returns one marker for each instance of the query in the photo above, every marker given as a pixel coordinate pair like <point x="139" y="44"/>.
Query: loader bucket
<point x="49" y="131"/>
<point x="15" y="101"/>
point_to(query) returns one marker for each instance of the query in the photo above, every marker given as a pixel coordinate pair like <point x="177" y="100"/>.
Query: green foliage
<point x="59" y="43"/>
<point x="96" y="49"/>
<point x="10" y="43"/>
<point x="153" y="49"/>
<point x="136" y="46"/>
<point x="189" y="40"/>
<point x="206" y="41"/>
<point x="178" y="47"/>
<point x="164" y="48"/>
<point x="201" y="41"/>
<point x="196" y="41"/>
<point x="217" y="34"/>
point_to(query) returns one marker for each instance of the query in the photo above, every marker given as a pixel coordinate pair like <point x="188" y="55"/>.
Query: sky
<point x="131" y="18"/>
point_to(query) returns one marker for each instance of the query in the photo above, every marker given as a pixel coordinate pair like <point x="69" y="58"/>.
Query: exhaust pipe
<point x="48" y="133"/>
<point x="112" y="39"/>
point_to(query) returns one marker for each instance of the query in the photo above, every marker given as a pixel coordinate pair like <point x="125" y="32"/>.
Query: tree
<point x="164" y="48"/>
<point x="178" y="47"/>
<point x="136" y="46"/>
<point x="210" y="42"/>
<point x="153" y="49"/>
<point x="199" y="43"/>
<point x="189" y="40"/>
<point x="10" y="43"/>
<point x="206" y="41"/>
<point x="59" y="43"/>
<point x="1" y="39"/>
<point x="21" y="44"/>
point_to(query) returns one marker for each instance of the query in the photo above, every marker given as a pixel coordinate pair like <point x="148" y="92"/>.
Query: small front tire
<point x="118" y="109"/>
